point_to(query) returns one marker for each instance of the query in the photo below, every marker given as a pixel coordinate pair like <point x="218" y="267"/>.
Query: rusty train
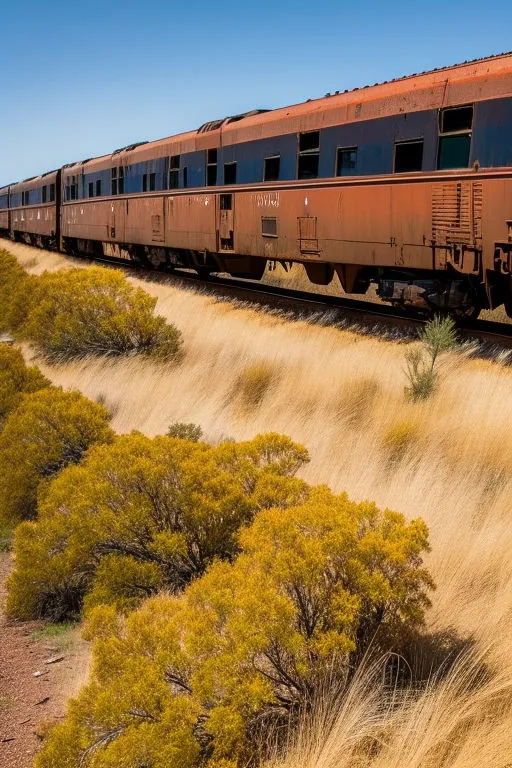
<point x="406" y="184"/>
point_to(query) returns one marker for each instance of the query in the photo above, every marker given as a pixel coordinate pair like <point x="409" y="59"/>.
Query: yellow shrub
<point x="253" y="383"/>
<point x="400" y="439"/>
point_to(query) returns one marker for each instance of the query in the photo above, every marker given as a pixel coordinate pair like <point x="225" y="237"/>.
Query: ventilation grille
<point x="457" y="213"/>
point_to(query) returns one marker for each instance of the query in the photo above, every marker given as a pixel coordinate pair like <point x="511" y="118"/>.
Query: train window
<point x="25" y="198"/>
<point x="346" y="160"/>
<point x="226" y="202"/>
<point x="120" y="181"/>
<point x="308" y="166"/>
<point x="98" y="188"/>
<point x="185" y="177"/>
<point x="91" y="189"/>
<point x="174" y="173"/>
<point x="152" y="182"/>
<point x="456" y="119"/>
<point x="114" y="181"/>
<point x="268" y="226"/>
<point x="309" y="142"/>
<point x="309" y="155"/>
<point x="454" y="151"/>
<point x="211" y="167"/>
<point x="229" y="173"/>
<point x="144" y="182"/>
<point x="44" y="194"/>
<point x="271" y="167"/>
<point x="52" y="193"/>
<point x="408" y="156"/>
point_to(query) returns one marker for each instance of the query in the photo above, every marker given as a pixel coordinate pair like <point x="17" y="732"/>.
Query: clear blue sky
<point x="80" y="79"/>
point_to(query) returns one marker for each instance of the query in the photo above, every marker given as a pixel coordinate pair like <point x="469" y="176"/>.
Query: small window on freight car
<point x="44" y="194"/>
<point x="91" y="189"/>
<point x="120" y="182"/>
<point x="174" y="179"/>
<point x="268" y="226"/>
<point x="308" y="166"/>
<point x="211" y="167"/>
<point x="408" y="156"/>
<point x="152" y="182"/>
<point x="229" y="173"/>
<point x="454" y="151"/>
<point x="271" y="167"/>
<point x="455" y="119"/>
<point x="114" y="181"/>
<point x="185" y="177"/>
<point x="52" y="193"/>
<point x="346" y="161"/>
<point x="309" y="142"/>
<point x="73" y="191"/>
<point x="98" y="188"/>
<point x="144" y="182"/>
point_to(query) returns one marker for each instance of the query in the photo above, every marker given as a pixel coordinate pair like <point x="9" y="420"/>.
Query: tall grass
<point x="447" y="460"/>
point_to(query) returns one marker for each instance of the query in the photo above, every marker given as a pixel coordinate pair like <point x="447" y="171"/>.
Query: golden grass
<point x="342" y="396"/>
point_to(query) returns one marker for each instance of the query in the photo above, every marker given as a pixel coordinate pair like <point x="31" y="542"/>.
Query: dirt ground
<point x="29" y="701"/>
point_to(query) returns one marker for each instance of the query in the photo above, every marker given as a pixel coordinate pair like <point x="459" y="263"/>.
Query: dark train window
<point x="174" y="173"/>
<point x="229" y="173"/>
<point x="211" y="167"/>
<point x="456" y="119"/>
<point x="226" y="202"/>
<point x="52" y="193"/>
<point x="44" y="194"/>
<point x="271" y="167"/>
<point x="25" y="198"/>
<point x="454" y="151"/>
<point x="346" y="160"/>
<point x="149" y="182"/>
<point x="308" y="166"/>
<point x="114" y="181"/>
<point x="91" y="189"/>
<point x="309" y="142"/>
<point x="408" y="156"/>
<point x="98" y="188"/>
<point x="309" y="155"/>
<point x="120" y="182"/>
<point x="185" y="177"/>
<point x="268" y="226"/>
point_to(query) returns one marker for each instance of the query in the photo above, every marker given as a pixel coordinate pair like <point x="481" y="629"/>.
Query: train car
<point x="4" y="211"/>
<point x="34" y="210"/>
<point x="407" y="184"/>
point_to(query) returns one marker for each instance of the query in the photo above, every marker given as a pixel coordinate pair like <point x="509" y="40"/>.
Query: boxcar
<point x="4" y="211"/>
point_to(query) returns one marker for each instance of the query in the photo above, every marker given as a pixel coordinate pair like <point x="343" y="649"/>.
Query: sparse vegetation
<point x="422" y="362"/>
<point x="253" y="384"/>
<point x="399" y="439"/>
<point x="192" y="432"/>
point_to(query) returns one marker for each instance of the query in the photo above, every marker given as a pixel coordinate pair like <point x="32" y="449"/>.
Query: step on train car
<point x="407" y="184"/>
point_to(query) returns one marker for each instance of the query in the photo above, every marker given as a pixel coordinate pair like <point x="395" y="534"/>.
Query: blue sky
<point x="82" y="79"/>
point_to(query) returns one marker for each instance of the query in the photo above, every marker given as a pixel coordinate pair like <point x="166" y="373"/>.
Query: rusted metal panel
<point x="191" y="222"/>
<point x="457" y="213"/>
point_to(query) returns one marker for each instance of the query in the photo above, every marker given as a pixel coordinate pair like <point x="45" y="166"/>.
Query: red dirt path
<point x="20" y="691"/>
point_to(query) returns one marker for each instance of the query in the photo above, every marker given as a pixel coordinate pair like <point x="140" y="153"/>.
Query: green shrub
<point x="192" y="680"/>
<point x="47" y="431"/>
<point x="16" y="379"/>
<point x="192" y="432"/>
<point x="143" y="513"/>
<point x="79" y="312"/>
<point x="421" y="364"/>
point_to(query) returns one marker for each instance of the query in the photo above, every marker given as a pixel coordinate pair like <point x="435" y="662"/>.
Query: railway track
<point x="367" y="317"/>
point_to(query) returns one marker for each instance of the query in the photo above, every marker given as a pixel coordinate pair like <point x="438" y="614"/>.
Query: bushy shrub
<point x="421" y="363"/>
<point x="16" y="379"/>
<point x="400" y="439"/>
<point x="14" y="284"/>
<point x="191" y="681"/>
<point x="192" y="432"/>
<point x="47" y="431"/>
<point x="76" y="312"/>
<point x="142" y="513"/>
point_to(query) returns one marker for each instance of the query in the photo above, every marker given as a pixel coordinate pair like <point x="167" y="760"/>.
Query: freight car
<point x="407" y="184"/>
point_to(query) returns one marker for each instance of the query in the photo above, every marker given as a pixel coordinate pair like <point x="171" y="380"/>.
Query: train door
<point x="157" y="220"/>
<point x="225" y="222"/>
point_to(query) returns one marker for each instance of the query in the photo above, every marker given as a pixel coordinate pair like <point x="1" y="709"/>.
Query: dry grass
<point x="343" y="397"/>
